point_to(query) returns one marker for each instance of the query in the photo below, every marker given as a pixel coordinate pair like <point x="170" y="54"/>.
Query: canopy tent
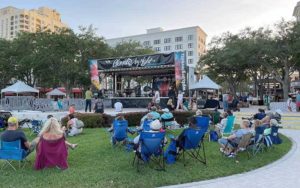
<point x="205" y="83"/>
<point x="19" y="87"/>
<point x="56" y="92"/>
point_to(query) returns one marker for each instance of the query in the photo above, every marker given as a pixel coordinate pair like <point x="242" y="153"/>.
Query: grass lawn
<point x="94" y="163"/>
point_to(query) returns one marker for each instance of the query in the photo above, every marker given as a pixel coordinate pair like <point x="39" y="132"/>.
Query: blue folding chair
<point x="151" y="149"/>
<point x="192" y="144"/>
<point x="275" y="136"/>
<point x="146" y="125"/>
<point x="12" y="151"/>
<point x="203" y="122"/>
<point x="119" y="133"/>
<point x="36" y="126"/>
<point x="259" y="140"/>
<point x="229" y="126"/>
<point x="2" y="125"/>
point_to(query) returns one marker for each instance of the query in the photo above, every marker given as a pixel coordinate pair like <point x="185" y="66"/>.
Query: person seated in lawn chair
<point x="52" y="146"/>
<point x="180" y="139"/>
<point x="276" y="115"/>
<point x="12" y="133"/>
<point x="153" y="114"/>
<point x="168" y="120"/>
<point x="219" y="128"/>
<point x="260" y="115"/>
<point x="155" y="126"/>
<point x="120" y="118"/>
<point x="229" y="143"/>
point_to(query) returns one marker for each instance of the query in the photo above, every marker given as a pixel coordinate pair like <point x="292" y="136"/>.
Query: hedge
<point x="105" y="120"/>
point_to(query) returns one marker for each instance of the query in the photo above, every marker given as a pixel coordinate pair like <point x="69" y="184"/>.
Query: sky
<point x="117" y="18"/>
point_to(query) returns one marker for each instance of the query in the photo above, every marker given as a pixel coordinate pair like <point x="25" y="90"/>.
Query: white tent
<point x="56" y="92"/>
<point x="19" y="87"/>
<point x="205" y="83"/>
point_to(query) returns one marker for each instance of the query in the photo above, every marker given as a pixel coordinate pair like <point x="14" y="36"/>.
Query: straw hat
<point x="155" y="125"/>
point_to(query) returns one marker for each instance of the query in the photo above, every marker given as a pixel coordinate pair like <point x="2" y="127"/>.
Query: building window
<point x="146" y="43"/>
<point x="167" y="40"/>
<point x="178" y="47"/>
<point x="190" y="53"/>
<point x="190" y="61"/>
<point x="157" y="49"/>
<point x="167" y="48"/>
<point x="156" y="41"/>
<point x="190" y="37"/>
<point x="178" y="39"/>
<point x="190" y="45"/>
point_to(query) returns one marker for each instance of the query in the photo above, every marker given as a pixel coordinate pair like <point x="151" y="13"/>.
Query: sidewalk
<point x="282" y="173"/>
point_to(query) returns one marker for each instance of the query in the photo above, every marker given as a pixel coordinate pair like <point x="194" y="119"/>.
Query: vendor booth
<point x="133" y="80"/>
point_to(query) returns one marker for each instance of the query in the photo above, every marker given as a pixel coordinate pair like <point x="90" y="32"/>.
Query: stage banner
<point x="136" y="61"/>
<point x="94" y="73"/>
<point x="180" y="71"/>
<point x="163" y="83"/>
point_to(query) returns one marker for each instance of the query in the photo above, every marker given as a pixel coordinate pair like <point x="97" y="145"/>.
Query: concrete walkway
<point x="284" y="172"/>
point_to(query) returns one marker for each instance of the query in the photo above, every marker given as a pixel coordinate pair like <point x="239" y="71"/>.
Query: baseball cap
<point x="12" y="120"/>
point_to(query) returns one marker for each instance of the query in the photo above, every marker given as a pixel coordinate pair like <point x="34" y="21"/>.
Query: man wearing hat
<point x="12" y="133"/>
<point x="155" y="126"/>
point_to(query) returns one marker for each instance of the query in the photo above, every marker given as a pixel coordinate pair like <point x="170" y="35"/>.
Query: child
<point x="72" y="109"/>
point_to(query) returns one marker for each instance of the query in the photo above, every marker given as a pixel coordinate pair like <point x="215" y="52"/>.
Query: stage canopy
<point x="56" y="92"/>
<point x="205" y="83"/>
<point x="138" y="65"/>
<point x="19" y="87"/>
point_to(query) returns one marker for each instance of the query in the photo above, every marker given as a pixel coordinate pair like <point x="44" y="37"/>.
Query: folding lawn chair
<point x="119" y="133"/>
<point x="146" y="125"/>
<point x="151" y="149"/>
<point x="192" y="144"/>
<point x="2" y="125"/>
<point x="203" y="122"/>
<point x="243" y="145"/>
<point x="275" y="136"/>
<point x="229" y="126"/>
<point x="261" y="141"/>
<point x="36" y="126"/>
<point x="12" y="151"/>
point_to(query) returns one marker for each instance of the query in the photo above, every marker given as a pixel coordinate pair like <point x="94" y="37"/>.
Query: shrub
<point x="133" y="118"/>
<point x="92" y="120"/>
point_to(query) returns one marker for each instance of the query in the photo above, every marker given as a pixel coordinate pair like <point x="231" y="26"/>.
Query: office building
<point x="14" y="20"/>
<point x="296" y="12"/>
<point x="190" y="39"/>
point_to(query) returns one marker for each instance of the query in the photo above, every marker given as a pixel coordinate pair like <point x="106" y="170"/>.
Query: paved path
<point x="283" y="173"/>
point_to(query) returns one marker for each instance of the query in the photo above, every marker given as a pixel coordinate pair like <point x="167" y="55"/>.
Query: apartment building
<point x="190" y="39"/>
<point x="296" y="12"/>
<point x="14" y="20"/>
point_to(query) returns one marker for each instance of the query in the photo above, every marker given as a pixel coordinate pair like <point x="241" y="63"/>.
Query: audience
<point x="118" y="106"/>
<point x="221" y="126"/>
<point x="99" y="106"/>
<point x="234" y="139"/>
<point x="52" y="146"/>
<point x="155" y="126"/>
<point x="260" y="115"/>
<point x="167" y="119"/>
<point x="72" y="126"/>
<point x="12" y="133"/>
<point x="170" y="104"/>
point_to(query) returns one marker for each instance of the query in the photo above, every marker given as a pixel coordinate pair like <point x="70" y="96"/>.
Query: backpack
<point x="99" y="106"/>
<point x="213" y="136"/>
<point x="79" y="124"/>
